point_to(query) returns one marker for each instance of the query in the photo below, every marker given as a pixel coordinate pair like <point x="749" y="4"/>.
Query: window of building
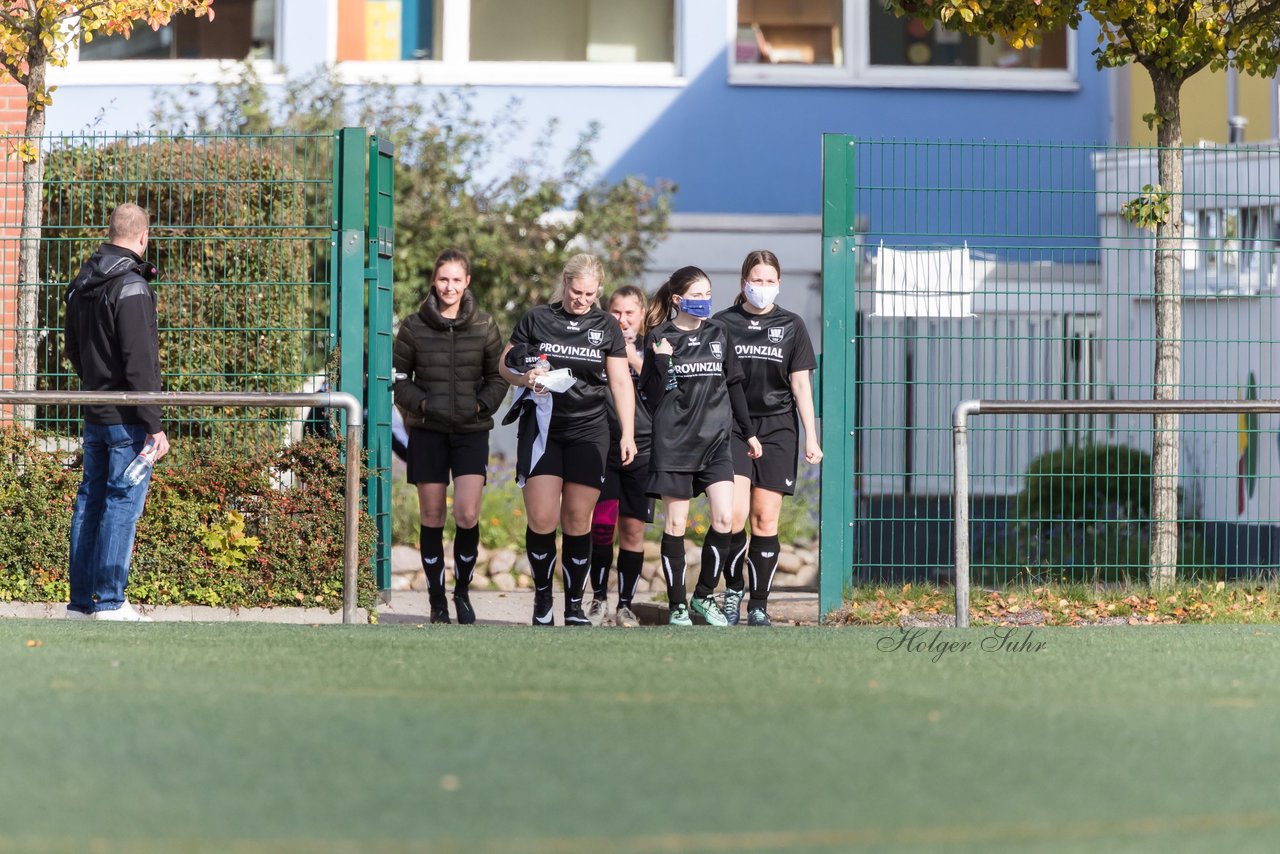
<point x="1228" y="251"/>
<point x="907" y="42"/>
<point x="384" y="30"/>
<point x="790" y="32"/>
<point x="240" y="29"/>
<point x="573" y="31"/>
<point x="555" y="31"/>
<point x="857" y="42"/>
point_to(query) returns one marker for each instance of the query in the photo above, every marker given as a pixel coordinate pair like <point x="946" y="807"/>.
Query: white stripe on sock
<point x="738" y="557"/>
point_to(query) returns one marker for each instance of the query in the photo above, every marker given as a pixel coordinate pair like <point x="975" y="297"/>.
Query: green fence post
<point x="839" y="322"/>
<point x="381" y="242"/>
<point x="349" y="257"/>
<point x="350" y="161"/>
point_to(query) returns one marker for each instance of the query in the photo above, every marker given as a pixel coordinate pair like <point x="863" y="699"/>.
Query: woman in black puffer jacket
<point x="447" y="388"/>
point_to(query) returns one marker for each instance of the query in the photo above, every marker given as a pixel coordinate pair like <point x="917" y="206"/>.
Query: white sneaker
<point x="596" y="611"/>
<point x="78" y="615"/>
<point x="124" y="614"/>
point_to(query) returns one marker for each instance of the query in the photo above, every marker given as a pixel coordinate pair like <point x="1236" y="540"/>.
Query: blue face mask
<point x="696" y="307"/>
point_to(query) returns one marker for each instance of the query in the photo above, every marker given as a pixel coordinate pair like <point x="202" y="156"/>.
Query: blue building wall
<point x="746" y="149"/>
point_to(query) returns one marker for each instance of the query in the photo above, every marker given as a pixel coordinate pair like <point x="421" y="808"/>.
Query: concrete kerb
<point x="494" y="608"/>
<point x="192" y="613"/>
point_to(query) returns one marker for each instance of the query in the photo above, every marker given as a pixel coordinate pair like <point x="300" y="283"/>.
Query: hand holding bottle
<point x="543" y="366"/>
<point x="156" y="446"/>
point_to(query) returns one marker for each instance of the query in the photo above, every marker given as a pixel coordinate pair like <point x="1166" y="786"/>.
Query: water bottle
<point x="137" y="470"/>
<point x="542" y="366"/>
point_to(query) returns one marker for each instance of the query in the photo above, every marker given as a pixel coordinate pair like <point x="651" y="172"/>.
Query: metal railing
<point x="261" y="400"/>
<point x="966" y="409"/>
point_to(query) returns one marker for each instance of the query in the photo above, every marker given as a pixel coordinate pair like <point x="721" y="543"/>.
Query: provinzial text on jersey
<point x="553" y="349"/>
<point x="758" y="351"/>
<point x="699" y="368"/>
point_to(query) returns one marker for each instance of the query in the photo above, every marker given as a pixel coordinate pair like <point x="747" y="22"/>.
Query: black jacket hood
<point x="108" y="263"/>
<point x="430" y="312"/>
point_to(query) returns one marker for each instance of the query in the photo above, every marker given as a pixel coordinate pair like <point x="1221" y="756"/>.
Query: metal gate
<point x="275" y="257"/>
<point x="364" y="243"/>
<point x="1031" y="284"/>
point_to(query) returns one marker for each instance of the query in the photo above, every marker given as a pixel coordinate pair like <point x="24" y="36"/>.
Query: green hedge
<point x="191" y="548"/>
<point x="1084" y="517"/>
<point x="235" y="291"/>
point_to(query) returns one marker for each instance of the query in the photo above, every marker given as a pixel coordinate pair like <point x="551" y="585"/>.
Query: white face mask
<point x="760" y="296"/>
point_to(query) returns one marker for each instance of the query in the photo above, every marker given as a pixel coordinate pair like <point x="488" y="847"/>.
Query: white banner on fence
<point x="924" y="282"/>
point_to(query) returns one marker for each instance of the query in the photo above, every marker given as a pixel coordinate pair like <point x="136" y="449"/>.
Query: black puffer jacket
<point x="450" y="365"/>
<point x="111" y="335"/>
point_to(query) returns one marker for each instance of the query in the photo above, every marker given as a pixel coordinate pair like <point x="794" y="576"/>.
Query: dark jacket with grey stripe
<point x="447" y="368"/>
<point x="112" y="339"/>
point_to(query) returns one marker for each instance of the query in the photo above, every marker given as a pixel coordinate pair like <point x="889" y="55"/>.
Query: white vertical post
<point x="960" y="507"/>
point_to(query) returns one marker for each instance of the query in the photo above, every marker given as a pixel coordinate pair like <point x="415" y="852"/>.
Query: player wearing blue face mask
<point x="692" y="384"/>
<point x="776" y="355"/>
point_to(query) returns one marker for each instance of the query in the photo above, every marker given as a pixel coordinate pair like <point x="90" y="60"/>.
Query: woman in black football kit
<point x="623" y="504"/>
<point x="448" y="387"/>
<point x="692" y="384"/>
<point x="776" y="355"/>
<point x="561" y="454"/>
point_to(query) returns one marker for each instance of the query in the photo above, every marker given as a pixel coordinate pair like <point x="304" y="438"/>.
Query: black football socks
<point x="715" y="556"/>
<point x="733" y="577"/>
<point x="630" y="565"/>
<point x="577" y="566"/>
<point x="431" y="547"/>
<point x="762" y="562"/>
<point x="673" y="569"/>
<point x="466" y="545"/>
<point x="541" y="551"/>
<point x="601" y="563"/>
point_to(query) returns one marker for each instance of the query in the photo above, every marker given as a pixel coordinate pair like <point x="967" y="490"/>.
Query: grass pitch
<point x="255" y="738"/>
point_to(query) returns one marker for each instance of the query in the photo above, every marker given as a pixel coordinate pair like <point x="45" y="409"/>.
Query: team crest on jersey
<point x="595" y="336"/>
<point x="717" y="350"/>
<point x="775" y="334"/>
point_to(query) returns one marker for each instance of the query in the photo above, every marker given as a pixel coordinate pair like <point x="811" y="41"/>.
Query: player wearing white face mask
<point x="773" y="347"/>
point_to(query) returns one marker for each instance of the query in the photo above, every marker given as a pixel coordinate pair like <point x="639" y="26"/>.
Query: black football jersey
<point x="692" y="415"/>
<point x="771" y="347"/>
<point x="643" y="424"/>
<point x="579" y="342"/>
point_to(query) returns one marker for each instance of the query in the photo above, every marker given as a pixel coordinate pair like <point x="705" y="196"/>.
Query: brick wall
<point x="13" y="110"/>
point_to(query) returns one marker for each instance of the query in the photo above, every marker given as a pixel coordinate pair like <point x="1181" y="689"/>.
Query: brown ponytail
<point x="663" y="305"/>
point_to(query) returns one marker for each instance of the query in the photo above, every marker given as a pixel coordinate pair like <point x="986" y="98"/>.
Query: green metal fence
<point x="1007" y="271"/>
<point x="255" y="290"/>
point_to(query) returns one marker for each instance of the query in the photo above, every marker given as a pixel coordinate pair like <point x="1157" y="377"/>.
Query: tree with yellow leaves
<point x="35" y="34"/>
<point x="1172" y="40"/>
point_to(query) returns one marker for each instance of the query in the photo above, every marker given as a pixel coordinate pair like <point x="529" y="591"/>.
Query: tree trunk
<point x="1168" y="322"/>
<point x="29" y="240"/>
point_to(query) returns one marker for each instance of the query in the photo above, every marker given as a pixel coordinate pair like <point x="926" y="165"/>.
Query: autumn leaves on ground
<point x="1073" y="605"/>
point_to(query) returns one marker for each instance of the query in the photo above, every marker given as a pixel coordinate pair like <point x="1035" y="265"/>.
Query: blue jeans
<point x="105" y="518"/>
